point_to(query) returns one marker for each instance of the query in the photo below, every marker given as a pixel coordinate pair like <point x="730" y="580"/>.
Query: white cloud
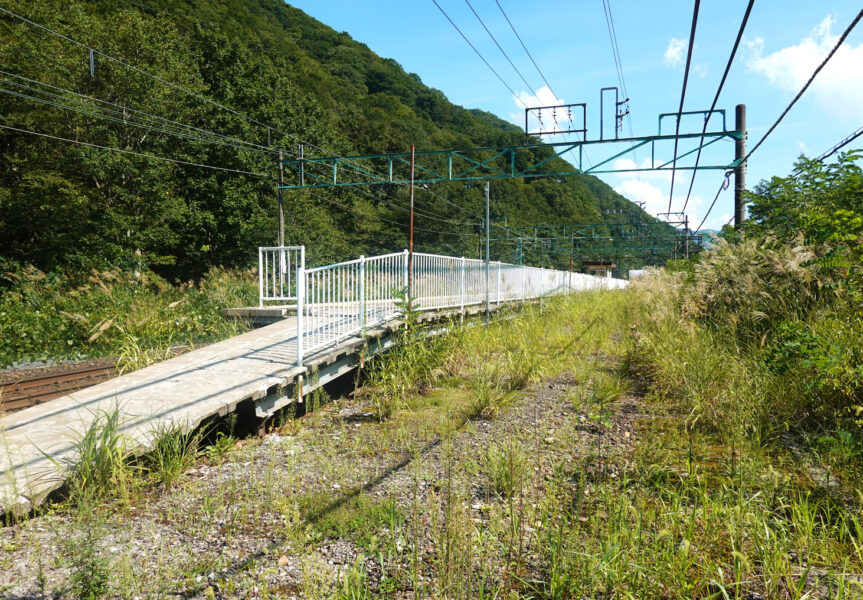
<point x="675" y="57"/>
<point x="803" y="148"/>
<point x="674" y="53"/>
<point x="837" y="88"/>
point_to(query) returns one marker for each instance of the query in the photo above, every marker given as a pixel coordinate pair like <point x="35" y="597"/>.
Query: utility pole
<point x="686" y="235"/>
<point x="487" y="245"/>
<point x="281" y="203"/>
<point x="740" y="169"/>
<point x="411" y="236"/>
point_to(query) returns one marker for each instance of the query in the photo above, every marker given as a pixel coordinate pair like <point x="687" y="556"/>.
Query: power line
<point x="141" y="154"/>
<point x="145" y="73"/>
<point x="538" y="70"/>
<point x="499" y="47"/>
<point x="121" y="109"/>
<point x="478" y="54"/>
<point x="363" y="214"/>
<point x="840" y="145"/>
<point x="722" y="186"/>
<point x="115" y="119"/>
<point x="683" y="95"/>
<point x="716" y="98"/>
<point x="805" y="87"/>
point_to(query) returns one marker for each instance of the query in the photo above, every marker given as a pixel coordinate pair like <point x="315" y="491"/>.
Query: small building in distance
<point x="600" y="268"/>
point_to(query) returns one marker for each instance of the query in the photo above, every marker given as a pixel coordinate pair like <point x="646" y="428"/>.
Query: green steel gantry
<point x="495" y="162"/>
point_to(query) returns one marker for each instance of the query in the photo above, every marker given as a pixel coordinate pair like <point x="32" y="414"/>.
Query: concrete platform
<point x="258" y="367"/>
<point x="260" y="316"/>
<point x="183" y="391"/>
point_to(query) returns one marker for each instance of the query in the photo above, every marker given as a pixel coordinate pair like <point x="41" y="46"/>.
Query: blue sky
<point x="784" y="42"/>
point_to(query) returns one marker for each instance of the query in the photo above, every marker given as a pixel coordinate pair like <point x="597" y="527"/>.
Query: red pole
<point x="411" y="237"/>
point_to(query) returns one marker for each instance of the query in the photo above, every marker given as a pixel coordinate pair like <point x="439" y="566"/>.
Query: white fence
<point x="338" y="301"/>
<point x="277" y="273"/>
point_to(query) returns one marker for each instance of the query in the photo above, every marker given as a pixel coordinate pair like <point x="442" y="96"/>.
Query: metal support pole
<point x="260" y="278"/>
<point x="301" y="305"/>
<point x="571" y="242"/>
<point x="740" y="170"/>
<point x="411" y="236"/>
<point x="405" y="274"/>
<point x="362" y="295"/>
<point x="92" y="63"/>
<point x="461" y="288"/>
<point x="281" y="237"/>
<point x="686" y="235"/>
<point x="302" y="166"/>
<point x="487" y="244"/>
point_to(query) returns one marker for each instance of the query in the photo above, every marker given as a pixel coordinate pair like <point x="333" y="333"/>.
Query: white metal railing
<point x="278" y="268"/>
<point x="338" y="301"/>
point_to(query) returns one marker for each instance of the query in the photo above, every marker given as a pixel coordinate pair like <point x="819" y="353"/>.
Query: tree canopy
<point x="72" y="205"/>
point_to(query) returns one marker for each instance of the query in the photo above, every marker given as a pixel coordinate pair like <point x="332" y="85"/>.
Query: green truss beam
<point x="495" y="162"/>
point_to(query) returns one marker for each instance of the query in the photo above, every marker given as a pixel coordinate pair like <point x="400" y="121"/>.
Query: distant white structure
<point x="636" y="273"/>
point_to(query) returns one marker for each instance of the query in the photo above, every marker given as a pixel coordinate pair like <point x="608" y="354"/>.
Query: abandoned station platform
<point x="339" y="312"/>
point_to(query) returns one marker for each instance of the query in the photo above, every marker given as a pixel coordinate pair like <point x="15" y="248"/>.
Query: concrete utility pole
<point x="411" y="236"/>
<point x="487" y="243"/>
<point x="740" y="170"/>
<point x="281" y="204"/>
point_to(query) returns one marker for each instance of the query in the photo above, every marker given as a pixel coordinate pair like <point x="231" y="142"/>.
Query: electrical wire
<point x="840" y="145"/>
<point x="121" y="109"/>
<point x="143" y="155"/>
<point x="716" y="98"/>
<point x="683" y="95"/>
<point x="499" y="47"/>
<point x="115" y="119"/>
<point x="368" y="216"/>
<point x="806" y="86"/>
<point x="538" y="70"/>
<point x="722" y="186"/>
<point x="512" y="91"/>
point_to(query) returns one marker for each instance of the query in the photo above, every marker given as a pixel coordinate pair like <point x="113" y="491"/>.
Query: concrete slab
<point x="183" y="391"/>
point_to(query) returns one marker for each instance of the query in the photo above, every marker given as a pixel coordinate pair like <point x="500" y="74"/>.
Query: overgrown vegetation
<point x="135" y="317"/>
<point x="694" y="436"/>
<point x="79" y="207"/>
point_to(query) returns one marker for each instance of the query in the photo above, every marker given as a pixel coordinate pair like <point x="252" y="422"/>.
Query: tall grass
<point x="62" y="315"/>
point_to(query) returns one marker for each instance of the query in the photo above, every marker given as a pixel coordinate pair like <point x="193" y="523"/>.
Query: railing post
<point x="362" y="295"/>
<point x="406" y="280"/>
<point x="260" y="278"/>
<point x="301" y="301"/>
<point x="498" y="283"/>
<point x="523" y="277"/>
<point x="461" y="289"/>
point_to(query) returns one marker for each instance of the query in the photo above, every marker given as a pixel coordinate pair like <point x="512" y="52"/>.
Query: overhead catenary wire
<point x="805" y="87"/>
<point x="141" y="154"/>
<point x="683" y="95"/>
<point x="538" y="70"/>
<point x="404" y="225"/>
<point x="723" y="186"/>
<point x="469" y="43"/>
<point x="499" y="47"/>
<point x="716" y="98"/>
<point x="199" y="97"/>
<point x="840" y="145"/>
<point x="117" y="118"/>
<point x="121" y="108"/>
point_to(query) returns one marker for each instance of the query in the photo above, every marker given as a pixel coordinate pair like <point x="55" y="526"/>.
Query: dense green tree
<point x="63" y="204"/>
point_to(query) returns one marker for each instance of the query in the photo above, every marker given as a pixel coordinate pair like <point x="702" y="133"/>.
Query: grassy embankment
<point x="602" y="445"/>
<point x="135" y="318"/>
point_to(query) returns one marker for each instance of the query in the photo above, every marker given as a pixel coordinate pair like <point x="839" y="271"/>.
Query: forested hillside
<point x="68" y="205"/>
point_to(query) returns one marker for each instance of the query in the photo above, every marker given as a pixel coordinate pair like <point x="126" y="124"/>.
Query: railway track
<point x="23" y="390"/>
